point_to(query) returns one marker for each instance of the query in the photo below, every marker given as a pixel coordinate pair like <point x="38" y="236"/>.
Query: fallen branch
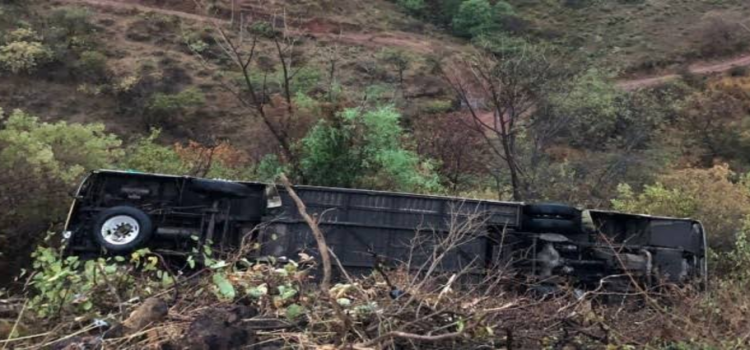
<point x="431" y="338"/>
<point x="15" y="324"/>
<point x="317" y="233"/>
<point x="322" y="248"/>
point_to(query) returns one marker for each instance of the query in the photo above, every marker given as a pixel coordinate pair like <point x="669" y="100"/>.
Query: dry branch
<point x="323" y="249"/>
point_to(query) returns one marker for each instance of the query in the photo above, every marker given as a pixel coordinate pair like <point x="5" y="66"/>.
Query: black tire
<point x="220" y="188"/>
<point x="544" y="225"/>
<point x="129" y="218"/>
<point x="552" y="210"/>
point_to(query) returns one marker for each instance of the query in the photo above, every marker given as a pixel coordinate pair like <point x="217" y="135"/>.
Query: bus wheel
<point x="122" y="228"/>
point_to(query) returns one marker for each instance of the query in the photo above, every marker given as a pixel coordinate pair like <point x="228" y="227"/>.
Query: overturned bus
<point x="115" y="212"/>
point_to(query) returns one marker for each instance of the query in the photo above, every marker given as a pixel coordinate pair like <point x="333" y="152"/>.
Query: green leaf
<point x="218" y="265"/>
<point x="287" y="292"/>
<point x="119" y="259"/>
<point x="461" y="324"/>
<point x="291" y="267"/>
<point x="87" y="305"/>
<point x="259" y="291"/>
<point x="191" y="262"/>
<point x="294" y="311"/>
<point x="226" y="289"/>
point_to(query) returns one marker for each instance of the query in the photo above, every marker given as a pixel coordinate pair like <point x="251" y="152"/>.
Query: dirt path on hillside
<point x="133" y="5"/>
<point x="698" y="68"/>
<point x="407" y="41"/>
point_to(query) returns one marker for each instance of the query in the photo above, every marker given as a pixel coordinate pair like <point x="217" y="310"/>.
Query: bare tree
<point x="457" y="149"/>
<point x="501" y="91"/>
<point x="262" y="54"/>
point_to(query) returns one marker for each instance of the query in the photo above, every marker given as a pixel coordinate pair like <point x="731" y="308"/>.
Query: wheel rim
<point x="120" y="230"/>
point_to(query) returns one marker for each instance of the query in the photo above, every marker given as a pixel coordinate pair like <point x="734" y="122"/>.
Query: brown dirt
<point x="130" y="5"/>
<point x="339" y="33"/>
<point x="317" y="28"/>
<point x="703" y="68"/>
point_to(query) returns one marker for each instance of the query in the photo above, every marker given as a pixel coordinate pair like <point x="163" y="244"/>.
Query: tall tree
<point x="263" y="84"/>
<point x="500" y="90"/>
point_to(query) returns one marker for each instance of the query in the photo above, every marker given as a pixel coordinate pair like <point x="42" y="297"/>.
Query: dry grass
<point x="632" y="35"/>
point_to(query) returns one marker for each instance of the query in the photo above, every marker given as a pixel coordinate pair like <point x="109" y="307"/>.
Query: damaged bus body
<point x="116" y="212"/>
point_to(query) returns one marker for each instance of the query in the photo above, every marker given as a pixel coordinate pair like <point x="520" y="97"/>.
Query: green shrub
<point x="708" y="195"/>
<point x="197" y="41"/>
<point x="364" y="149"/>
<point x="477" y="17"/>
<point x="63" y="150"/>
<point x="415" y="7"/>
<point x="74" y="21"/>
<point x="70" y="30"/>
<point x="737" y="260"/>
<point x="473" y="16"/>
<point x="578" y="4"/>
<point x="146" y="155"/>
<point x="593" y="106"/>
<point x="399" y="60"/>
<point x="438" y="106"/>
<point x="445" y="10"/>
<point x="24" y="56"/>
<point x="163" y="109"/>
<point x="501" y="43"/>
<point x="22" y="34"/>
<point x="39" y="164"/>
<point x="74" y="286"/>
<point x="269" y="168"/>
<point x="171" y="103"/>
<point x="92" y="66"/>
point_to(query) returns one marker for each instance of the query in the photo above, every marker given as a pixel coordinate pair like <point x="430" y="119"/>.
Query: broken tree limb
<point x="324" y="252"/>
<point x="317" y="233"/>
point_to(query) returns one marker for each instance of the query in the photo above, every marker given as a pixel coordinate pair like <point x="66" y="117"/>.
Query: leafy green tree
<point x="364" y="149"/>
<point x="39" y="164"/>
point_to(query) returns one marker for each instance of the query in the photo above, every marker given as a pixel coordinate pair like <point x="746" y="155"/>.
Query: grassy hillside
<point x="137" y="43"/>
<point x="641" y="34"/>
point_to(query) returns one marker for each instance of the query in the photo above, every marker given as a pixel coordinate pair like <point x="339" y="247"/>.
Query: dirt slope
<point x="698" y="68"/>
<point x="318" y="29"/>
<point x="409" y="41"/>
